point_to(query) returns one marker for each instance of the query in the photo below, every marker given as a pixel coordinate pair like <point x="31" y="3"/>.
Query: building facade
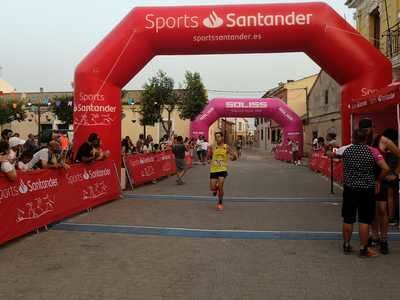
<point x="378" y="21"/>
<point x="130" y="116"/>
<point x="324" y="115"/>
<point x="225" y="126"/>
<point x="241" y="129"/>
<point x="294" y="93"/>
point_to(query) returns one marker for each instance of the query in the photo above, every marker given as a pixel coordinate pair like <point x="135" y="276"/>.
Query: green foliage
<point x="194" y="97"/>
<point x="11" y="110"/>
<point x="62" y="108"/>
<point x="158" y="95"/>
<point x="148" y="111"/>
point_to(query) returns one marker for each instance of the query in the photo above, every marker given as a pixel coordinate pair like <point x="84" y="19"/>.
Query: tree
<point x="194" y="97"/>
<point x="63" y="108"/>
<point x="147" y="112"/>
<point x="124" y="93"/>
<point x="158" y="96"/>
<point x="11" y="110"/>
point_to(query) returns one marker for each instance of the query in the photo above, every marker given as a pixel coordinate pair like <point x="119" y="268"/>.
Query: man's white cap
<point x="15" y="141"/>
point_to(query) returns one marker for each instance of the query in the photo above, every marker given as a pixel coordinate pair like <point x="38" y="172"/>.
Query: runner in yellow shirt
<point x="219" y="154"/>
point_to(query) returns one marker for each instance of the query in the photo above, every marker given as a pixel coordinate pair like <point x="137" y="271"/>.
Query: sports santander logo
<point x="229" y="20"/>
<point x="213" y="21"/>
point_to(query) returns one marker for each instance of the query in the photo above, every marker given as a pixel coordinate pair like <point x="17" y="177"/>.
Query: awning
<point x="381" y="100"/>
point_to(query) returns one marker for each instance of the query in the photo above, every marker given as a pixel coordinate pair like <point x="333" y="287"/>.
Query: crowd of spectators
<point x="325" y="144"/>
<point x="148" y="145"/>
<point x="17" y="154"/>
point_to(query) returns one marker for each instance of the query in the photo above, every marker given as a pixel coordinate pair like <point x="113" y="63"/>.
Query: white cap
<point x="15" y="141"/>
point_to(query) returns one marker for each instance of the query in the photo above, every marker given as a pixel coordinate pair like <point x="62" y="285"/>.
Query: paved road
<point x="176" y="247"/>
<point x="256" y="175"/>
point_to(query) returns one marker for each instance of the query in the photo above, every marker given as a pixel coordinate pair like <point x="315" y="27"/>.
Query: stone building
<point x="324" y="115"/>
<point x="378" y="21"/>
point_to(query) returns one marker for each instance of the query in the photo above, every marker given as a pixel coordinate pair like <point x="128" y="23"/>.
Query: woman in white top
<point x="6" y="167"/>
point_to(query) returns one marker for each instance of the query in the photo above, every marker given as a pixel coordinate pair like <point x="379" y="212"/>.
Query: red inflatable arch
<point x="313" y="28"/>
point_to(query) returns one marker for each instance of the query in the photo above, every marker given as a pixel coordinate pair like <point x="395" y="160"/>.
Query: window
<point x="273" y="136"/>
<point x="240" y="126"/>
<point x="262" y="134"/>
<point x="326" y="97"/>
<point x="269" y="133"/>
<point x="375" y="25"/>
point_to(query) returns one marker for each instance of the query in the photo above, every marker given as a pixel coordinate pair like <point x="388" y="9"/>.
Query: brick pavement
<point x="71" y="265"/>
<point x="87" y="265"/>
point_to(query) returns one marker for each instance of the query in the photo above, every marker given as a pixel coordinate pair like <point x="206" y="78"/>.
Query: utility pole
<point x="39" y="117"/>
<point x="307" y="105"/>
<point x="235" y="130"/>
<point x="225" y="129"/>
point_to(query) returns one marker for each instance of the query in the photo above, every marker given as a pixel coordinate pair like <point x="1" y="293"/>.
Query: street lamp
<point x="131" y="102"/>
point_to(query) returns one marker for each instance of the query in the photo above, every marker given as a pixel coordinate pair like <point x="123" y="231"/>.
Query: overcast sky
<point x="41" y="42"/>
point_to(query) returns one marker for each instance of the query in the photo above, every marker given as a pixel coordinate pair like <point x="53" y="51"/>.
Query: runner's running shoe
<point x="367" y="253"/>
<point x="373" y="242"/>
<point x="220" y="207"/>
<point x="347" y="249"/>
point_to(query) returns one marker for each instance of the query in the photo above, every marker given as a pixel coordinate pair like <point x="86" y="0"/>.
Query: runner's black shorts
<point x="359" y="202"/>
<point x="218" y="175"/>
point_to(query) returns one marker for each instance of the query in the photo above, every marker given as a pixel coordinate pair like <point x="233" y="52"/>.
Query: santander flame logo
<point x="213" y="21"/>
<point x="86" y="175"/>
<point x="23" y="188"/>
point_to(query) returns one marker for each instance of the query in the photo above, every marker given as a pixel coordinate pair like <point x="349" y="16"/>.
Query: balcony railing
<point x="393" y="41"/>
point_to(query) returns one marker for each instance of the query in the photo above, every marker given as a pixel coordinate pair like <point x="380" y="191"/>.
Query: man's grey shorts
<point x="180" y="164"/>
